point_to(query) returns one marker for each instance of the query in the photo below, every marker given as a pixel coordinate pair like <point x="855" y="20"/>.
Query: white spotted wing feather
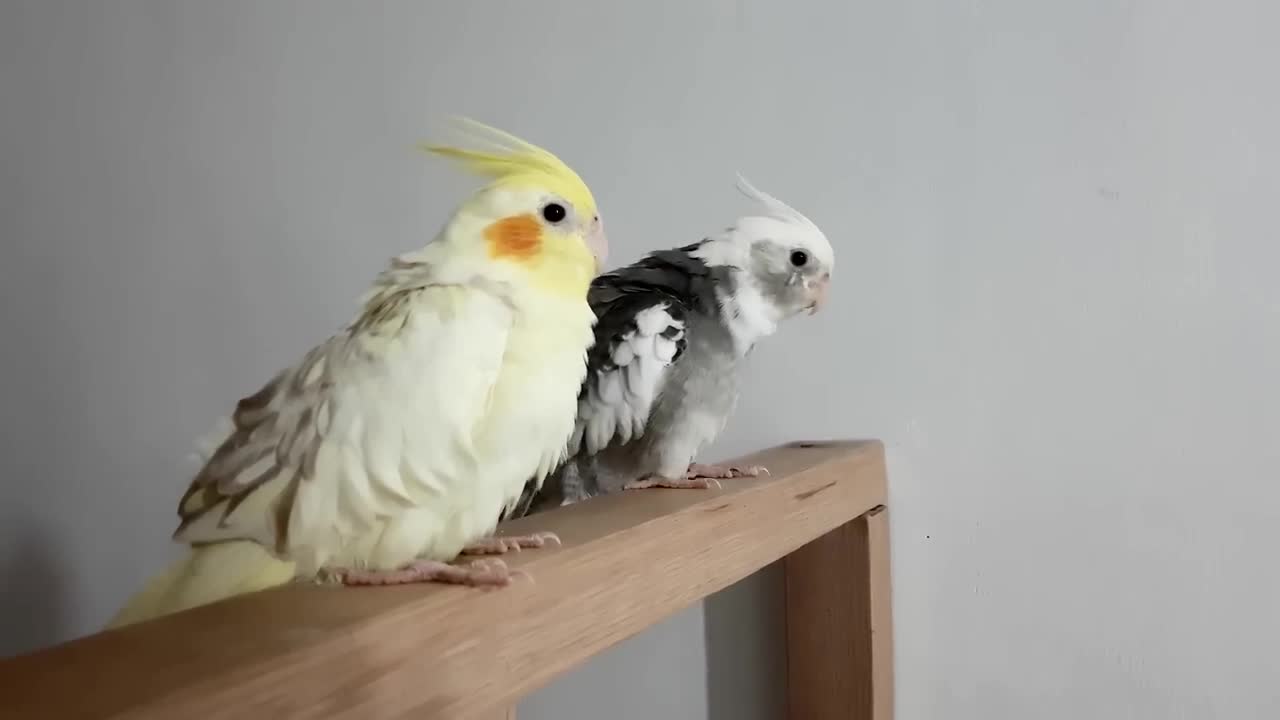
<point x="626" y="380"/>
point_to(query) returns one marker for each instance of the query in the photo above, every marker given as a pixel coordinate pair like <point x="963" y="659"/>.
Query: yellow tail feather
<point x="204" y="575"/>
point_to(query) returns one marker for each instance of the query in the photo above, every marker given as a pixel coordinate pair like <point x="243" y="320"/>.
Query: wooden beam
<point x="307" y="651"/>
<point x="840" y="624"/>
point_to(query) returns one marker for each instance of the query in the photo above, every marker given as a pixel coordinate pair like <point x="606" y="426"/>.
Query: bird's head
<point x="787" y="258"/>
<point x="535" y="218"/>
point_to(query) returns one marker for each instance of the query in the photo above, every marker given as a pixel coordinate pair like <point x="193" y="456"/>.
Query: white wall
<point x="1055" y="303"/>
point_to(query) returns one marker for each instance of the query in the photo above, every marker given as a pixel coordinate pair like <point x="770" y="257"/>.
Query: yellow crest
<point x="511" y="161"/>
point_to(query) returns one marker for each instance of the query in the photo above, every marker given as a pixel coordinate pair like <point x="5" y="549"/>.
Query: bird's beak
<point x="597" y="242"/>
<point x="818" y="293"/>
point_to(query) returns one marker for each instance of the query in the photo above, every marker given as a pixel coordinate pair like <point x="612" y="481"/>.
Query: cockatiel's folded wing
<point x="308" y="456"/>
<point x="640" y="334"/>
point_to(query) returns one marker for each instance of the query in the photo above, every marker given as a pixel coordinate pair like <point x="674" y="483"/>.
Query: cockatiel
<point x="674" y="329"/>
<point x="394" y="446"/>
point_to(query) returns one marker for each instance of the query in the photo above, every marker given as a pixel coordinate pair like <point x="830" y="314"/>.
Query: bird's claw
<point x="484" y="573"/>
<point x="499" y="545"/>
<point x="685" y="483"/>
<point x="698" y="470"/>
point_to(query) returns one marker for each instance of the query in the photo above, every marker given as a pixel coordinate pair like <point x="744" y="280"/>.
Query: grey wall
<point x="1055" y="302"/>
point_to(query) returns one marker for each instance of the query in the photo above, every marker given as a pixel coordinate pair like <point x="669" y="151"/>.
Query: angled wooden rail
<point x="628" y="561"/>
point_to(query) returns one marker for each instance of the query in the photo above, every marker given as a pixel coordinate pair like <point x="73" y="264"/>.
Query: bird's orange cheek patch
<point x="518" y="237"/>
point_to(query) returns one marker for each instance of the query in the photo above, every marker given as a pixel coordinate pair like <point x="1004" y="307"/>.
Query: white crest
<point x="776" y="208"/>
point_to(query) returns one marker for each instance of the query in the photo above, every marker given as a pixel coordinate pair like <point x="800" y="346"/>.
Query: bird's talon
<point x="497" y="564"/>
<point x="500" y="545"/>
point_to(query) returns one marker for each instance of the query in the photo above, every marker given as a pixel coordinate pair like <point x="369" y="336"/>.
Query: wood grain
<point x="429" y="651"/>
<point x="840" y="624"/>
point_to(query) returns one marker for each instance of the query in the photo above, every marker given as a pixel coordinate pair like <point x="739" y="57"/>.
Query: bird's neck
<point x="746" y="313"/>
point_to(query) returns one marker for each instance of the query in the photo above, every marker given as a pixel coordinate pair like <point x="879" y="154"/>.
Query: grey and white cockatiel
<point x="672" y="334"/>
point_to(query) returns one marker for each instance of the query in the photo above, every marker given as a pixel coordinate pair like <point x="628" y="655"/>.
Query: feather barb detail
<point x="773" y="205"/>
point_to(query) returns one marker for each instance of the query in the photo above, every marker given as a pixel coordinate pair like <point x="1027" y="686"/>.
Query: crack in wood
<point x="810" y="493"/>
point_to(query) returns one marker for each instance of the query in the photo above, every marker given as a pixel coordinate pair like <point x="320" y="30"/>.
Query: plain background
<point x="1055" y="299"/>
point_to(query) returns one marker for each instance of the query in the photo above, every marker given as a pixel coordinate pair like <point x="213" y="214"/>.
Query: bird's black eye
<point x="553" y="212"/>
<point x="799" y="258"/>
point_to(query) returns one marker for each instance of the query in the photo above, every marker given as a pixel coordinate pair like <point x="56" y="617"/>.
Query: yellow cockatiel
<point x="395" y="445"/>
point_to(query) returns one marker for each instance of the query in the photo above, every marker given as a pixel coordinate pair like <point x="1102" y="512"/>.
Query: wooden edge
<point x="880" y="592"/>
<point x="840" y="624"/>
<point x="627" y="561"/>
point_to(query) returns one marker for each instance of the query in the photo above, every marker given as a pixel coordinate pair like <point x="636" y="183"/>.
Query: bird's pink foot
<point x="725" y="472"/>
<point x="498" y="545"/>
<point x="491" y="573"/>
<point x="684" y="483"/>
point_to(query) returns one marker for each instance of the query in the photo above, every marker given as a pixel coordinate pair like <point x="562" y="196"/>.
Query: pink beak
<point x="818" y="293"/>
<point x="597" y="243"/>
